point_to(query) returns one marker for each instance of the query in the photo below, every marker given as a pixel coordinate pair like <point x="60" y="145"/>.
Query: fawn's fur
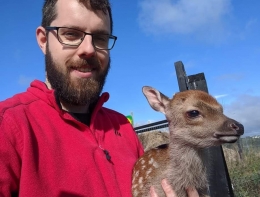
<point x="196" y="121"/>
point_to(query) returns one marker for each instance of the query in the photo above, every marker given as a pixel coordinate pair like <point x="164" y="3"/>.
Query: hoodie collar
<point x="40" y="90"/>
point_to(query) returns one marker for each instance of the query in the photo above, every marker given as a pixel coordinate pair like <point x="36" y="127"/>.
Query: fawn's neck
<point x="187" y="165"/>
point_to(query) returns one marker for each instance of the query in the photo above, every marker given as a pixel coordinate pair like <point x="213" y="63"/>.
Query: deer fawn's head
<point x="195" y="118"/>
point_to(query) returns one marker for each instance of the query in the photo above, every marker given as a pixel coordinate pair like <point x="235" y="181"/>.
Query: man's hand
<point x="170" y="192"/>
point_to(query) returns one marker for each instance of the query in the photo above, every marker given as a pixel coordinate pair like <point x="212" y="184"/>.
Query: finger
<point x="168" y="189"/>
<point x="152" y="192"/>
<point x="192" y="192"/>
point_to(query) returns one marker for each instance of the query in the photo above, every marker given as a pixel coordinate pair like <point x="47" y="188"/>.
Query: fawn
<point x="196" y="121"/>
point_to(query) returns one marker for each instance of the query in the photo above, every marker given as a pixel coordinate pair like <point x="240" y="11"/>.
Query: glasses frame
<point x="51" y="28"/>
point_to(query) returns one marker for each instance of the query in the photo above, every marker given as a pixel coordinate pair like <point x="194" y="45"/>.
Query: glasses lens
<point x="70" y="36"/>
<point x="103" y="41"/>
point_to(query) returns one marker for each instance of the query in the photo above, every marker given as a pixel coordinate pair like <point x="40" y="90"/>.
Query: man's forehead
<point x="76" y="13"/>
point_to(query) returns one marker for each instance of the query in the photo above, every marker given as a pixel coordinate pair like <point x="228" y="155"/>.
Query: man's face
<point x="77" y="73"/>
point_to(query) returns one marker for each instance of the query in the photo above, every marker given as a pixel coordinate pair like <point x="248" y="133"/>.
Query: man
<point x="56" y="139"/>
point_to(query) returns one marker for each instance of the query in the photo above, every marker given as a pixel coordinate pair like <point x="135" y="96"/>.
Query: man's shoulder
<point x="117" y="118"/>
<point x="113" y="113"/>
<point x="18" y="100"/>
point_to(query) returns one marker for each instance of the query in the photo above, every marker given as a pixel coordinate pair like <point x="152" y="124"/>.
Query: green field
<point x="245" y="171"/>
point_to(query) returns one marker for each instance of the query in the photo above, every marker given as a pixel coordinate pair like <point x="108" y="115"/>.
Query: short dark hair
<point x="49" y="13"/>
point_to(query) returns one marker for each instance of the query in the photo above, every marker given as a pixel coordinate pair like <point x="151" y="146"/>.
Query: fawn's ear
<point x="156" y="99"/>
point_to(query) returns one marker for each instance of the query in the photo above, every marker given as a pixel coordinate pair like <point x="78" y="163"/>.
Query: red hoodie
<point x="45" y="152"/>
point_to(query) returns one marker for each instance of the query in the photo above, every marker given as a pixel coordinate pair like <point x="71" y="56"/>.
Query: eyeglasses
<point x="74" y="37"/>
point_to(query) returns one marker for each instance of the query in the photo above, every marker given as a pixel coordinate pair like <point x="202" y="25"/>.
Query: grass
<point x="245" y="174"/>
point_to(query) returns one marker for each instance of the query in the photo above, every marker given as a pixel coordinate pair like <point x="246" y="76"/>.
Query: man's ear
<point x="41" y="38"/>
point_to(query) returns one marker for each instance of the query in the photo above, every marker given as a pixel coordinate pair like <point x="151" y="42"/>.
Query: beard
<point x="80" y="91"/>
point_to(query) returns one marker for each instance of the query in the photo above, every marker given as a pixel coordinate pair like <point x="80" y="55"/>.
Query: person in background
<point x="57" y="139"/>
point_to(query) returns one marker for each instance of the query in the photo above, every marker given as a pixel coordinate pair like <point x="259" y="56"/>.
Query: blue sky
<point x="218" y="37"/>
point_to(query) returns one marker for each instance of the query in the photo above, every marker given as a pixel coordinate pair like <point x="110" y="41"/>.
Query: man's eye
<point x="193" y="113"/>
<point x="71" y="35"/>
<point x="101" y="38"/>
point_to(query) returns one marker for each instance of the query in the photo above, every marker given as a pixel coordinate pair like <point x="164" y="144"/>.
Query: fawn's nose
<point x="238" y="127"/>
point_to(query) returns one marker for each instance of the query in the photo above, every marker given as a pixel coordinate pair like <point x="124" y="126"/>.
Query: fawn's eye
<point x="193" y="113"/>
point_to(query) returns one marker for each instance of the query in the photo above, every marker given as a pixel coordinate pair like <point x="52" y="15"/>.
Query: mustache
<point x="91" y="62"/>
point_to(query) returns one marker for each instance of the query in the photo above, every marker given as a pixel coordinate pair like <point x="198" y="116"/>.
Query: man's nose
<point x="86" y="48"/>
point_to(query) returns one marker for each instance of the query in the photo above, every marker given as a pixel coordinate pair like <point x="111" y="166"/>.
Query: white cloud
<point x="24" y="81"/>
<point x="197" y="17"/>
<point x="249" y="28"/>
<point x="220" y="96"/>
<point x="251" y="24"/>
<point x="231" y="77"/>
<point x="246" y="109"/>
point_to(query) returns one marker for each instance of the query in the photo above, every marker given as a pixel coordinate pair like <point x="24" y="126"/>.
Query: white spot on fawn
<point x="135" y="185"/>
<point x="155" y="164"/>
<point x="137" y="173"/>
<point x="151" y="161"/>
<point x="140" y="181"/>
